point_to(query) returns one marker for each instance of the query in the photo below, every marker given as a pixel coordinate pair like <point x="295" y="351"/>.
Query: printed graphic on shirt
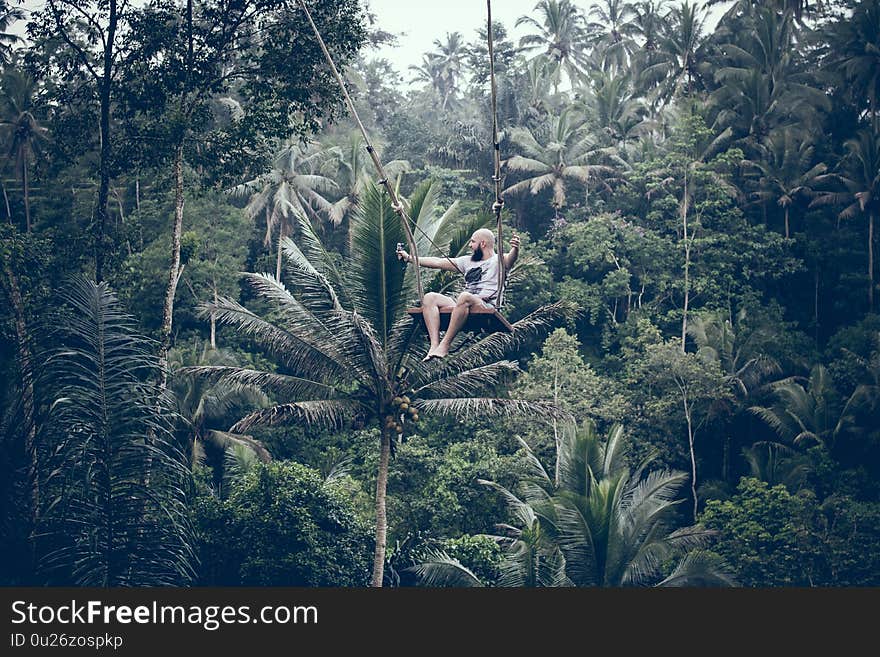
<point x="481" y="277"/>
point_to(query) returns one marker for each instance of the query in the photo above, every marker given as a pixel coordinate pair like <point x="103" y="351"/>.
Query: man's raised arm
<point x="430" y="262"/>
<point x="511" y="256"/>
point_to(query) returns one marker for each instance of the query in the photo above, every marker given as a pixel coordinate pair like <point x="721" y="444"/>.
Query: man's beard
<point x="477" y="255"/>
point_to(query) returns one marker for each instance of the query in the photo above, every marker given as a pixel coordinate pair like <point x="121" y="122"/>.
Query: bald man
<point x="480" y="270"/>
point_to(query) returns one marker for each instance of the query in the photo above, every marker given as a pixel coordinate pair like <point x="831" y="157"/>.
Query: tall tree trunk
<point x="870" y="262"/>
<point x="555" y="427"/>
<point x="381" y="518"/>
<point x="25" y="367"/>
<point x="725" y="459"/>
<point x="816" y="305"/>
<point x="278" y="255"/>
<point x="214" y="317"/>
<point x="786" y="223"/>
<point x="27" y="195"/>
<point x="687" y="264"/>
<point x="6" y="201"/>
<point x="173" y="270"/>
<point x="118" y="198"/>
<point x="874" y="114"/>
<point x="690" y="425"/>
<point x="99" y="217"/>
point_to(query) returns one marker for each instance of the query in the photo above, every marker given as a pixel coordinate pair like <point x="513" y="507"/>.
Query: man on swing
<point x="480" y="270"/>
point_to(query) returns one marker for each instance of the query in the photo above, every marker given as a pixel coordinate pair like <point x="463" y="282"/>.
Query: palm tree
<point x="449" y="58"/>
<point x="603" y="524"/>
<point x="22" y="128"/>
<point x="104" y="524"/>
<point x="648" y="25"/>
<point x="860" y="176"/>
<point x="795" y="8"/>
<point x="531" y="557"/>
<point x="202" y="406"/>
<point x="292" y="189"/>
<point x="761" y="86"/>
<point x="537" y="98"/>
<point x="680" y="53"/>
<point x="443" y="68"/>
<point x="776" y="463"/>
<point x="8" y="15"/>
<point x="430" y="73"/>
<point x="811" y="413"/>
<point x="855" y="52"/>
<point x="786" y="171"/>
<point x="561" y="37"/>
<point x="804" y="416"/>
<point x="351" y="169"/>
<point x="616" y="525"/>
<point x="345" y="343"/>
<point x="741" y="358"/>
<point x="611" y="32"/>
<point x="614" y="108"/>
<point x="562" y="156"/>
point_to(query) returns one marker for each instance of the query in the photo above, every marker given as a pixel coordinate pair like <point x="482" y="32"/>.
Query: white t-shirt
<point x="480" y="277"/>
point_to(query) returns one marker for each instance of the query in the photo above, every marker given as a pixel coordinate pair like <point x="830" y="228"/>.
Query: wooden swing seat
<point x="479" y="320"/>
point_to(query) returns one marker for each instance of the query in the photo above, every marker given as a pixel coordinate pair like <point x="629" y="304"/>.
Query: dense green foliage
<point x="771" y="537"/>
<point x="698" y="204"/>
<point x="281" y="525"/>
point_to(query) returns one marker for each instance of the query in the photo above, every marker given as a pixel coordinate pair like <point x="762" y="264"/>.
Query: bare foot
<point x="441" y="351"/>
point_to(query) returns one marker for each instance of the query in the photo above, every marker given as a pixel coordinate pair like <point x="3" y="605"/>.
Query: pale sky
<point x="419" y="22"/>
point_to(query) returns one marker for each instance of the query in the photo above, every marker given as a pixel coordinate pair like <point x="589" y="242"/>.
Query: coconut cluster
<point x="403" y="410"/>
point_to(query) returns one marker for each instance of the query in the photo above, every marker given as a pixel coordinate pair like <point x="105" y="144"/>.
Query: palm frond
<point x="529" y="165"/>
<point x="534" y="467"/>
<point x="316" y="323"/>
<point x="439" y="569"/>
<point x="330" y="413"/>
<point x="365" y="342"/>
<point x="699" y="568"/>
<point x="522" y="269"/>
<point x="238" y="460"/>
<point x="298" y="352"/>
<point x="117" y="512"/>
<point x="375" y="273"/>
<point x="580" y="541"/>
<point x="655" y="489"/>
<point x="314" y="271"/>
<point x="224" y="439"/>
<point x="280" y="384"/>
<point x="773" y="418"/>
<point x="465" y="408"/>
<point x="423" y="211"/>
<point x="615" y="452"/>
<point x="520" y="511"/>
<point x="469" y="382"/>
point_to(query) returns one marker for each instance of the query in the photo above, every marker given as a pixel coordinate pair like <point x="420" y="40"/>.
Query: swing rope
<point x="383" y="177"/>
<point x="499" y="200"/>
